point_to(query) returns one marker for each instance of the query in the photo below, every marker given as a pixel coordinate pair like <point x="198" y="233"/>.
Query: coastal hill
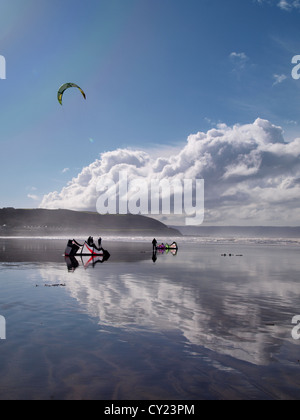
<point x="41" y="222"/>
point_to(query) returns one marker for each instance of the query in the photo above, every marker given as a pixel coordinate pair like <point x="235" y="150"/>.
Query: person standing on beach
<point x="154" y="243"/>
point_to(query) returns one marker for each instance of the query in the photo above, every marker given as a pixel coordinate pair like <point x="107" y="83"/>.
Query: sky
<point x="174" y="88"/>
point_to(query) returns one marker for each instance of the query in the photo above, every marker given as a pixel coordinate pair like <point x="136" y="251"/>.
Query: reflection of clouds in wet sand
<point x="227" y="311"/>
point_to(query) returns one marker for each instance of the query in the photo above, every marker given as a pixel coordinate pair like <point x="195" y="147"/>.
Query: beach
<point x="213" y="321"/>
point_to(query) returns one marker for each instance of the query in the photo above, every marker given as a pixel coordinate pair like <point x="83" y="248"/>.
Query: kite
<point x="66" y="86"/>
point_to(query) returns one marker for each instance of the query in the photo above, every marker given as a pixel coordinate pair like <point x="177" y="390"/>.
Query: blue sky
<point x="154" y="72"/>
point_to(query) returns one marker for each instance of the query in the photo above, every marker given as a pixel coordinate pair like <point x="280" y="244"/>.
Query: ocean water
<point x="196" y="325"/>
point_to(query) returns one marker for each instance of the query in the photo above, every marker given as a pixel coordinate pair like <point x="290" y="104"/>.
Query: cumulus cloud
<point x="252" y="176"/>
<point x="33" y="197"/>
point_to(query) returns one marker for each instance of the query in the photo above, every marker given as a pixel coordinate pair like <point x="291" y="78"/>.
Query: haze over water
<point x="195" y="325"/>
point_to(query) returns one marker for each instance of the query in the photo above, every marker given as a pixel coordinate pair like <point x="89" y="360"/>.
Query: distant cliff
<point x="40" y="222"/>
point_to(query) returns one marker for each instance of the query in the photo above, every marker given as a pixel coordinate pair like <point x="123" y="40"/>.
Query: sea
<point x="216" y="320"/>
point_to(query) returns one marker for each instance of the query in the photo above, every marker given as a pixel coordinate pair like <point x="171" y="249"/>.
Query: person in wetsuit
<point x="154" y="243"/>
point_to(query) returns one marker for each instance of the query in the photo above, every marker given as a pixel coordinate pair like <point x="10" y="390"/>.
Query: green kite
<point x="66" y="86"/>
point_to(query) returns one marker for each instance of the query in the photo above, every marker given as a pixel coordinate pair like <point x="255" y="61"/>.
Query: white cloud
<point x="289" y="5"/>
<point x="279" y="78"/>
<point x="241" y="56"/>
<point x="65" y="170"/>
<point x="286" y="5"/>
<point x="33" y="197"/>
<point x="239" y="60"/>
<point x="252" y="176"/>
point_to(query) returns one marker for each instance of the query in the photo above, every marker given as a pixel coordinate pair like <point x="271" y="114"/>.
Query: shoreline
<point x="167" y="238"/>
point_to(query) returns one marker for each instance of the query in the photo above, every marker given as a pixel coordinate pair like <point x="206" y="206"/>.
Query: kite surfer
<point x="91" y="243"/>
<point x="154" y="243"/>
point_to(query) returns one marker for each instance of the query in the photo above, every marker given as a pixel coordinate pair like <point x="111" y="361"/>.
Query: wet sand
<point x="197" y="325"/>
